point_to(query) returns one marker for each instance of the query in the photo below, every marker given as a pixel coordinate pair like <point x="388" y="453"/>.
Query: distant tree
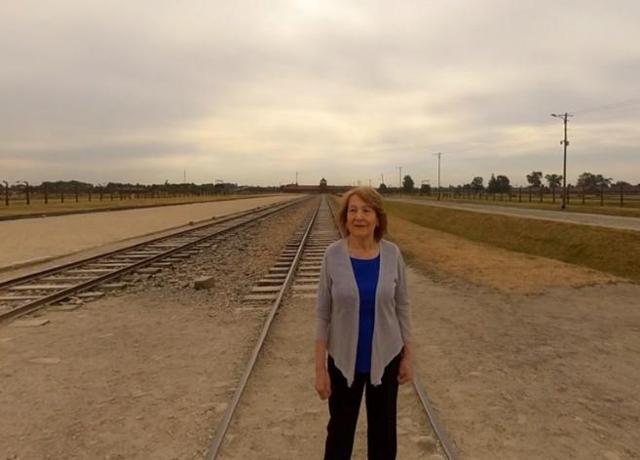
<point x="500" y="184"/>
<point x="504" y="185"/>
<point x="554" y="180"/>
<point x="382" y="188"/>
<point x="66" y="186"/>
<point x="535" y="178"/>
<point x="323" y="184"/>
<point x="408" y="184"/>
<point x="491" y="186"/>
<point x="425" y="189"/>
<point x="477" y="184"/>
<point x="590" y="181"/>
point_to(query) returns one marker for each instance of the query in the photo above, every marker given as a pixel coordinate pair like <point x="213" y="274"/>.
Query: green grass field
<point x="55" y="207"/>
<point x="611" y="207"/>
<point x="609" y="250"/>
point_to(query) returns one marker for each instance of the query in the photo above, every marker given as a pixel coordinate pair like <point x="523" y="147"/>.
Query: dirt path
<point x="600" y="220"/>
<point x="547" y="376"/>
<point x="30" y="241"/>
<point x="126" y="377"/>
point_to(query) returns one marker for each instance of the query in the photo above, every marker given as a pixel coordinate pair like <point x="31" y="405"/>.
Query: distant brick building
<point x="322" y="187"/>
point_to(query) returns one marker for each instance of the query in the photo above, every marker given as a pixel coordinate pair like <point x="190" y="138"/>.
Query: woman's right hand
<point x="323" y="383"/>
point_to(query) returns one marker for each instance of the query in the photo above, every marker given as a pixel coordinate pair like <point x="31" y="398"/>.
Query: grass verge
<point x="608" y="250"/>
<point x="632" y="208"/>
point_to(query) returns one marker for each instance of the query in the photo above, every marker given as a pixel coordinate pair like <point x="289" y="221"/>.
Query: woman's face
<point x="362" y="219"/>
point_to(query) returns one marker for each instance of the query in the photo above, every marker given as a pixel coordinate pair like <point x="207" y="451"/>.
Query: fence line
<point x="21" y="197"/>
<point x="618" y="197"/>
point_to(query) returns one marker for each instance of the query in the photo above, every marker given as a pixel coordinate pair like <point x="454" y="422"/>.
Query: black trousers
<point x="344" y="405"/>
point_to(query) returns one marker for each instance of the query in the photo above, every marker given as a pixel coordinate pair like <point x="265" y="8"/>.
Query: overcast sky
<point x="251" y="92"/>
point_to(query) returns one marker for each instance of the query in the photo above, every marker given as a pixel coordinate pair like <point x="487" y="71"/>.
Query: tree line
<point x="587" y="181"/>
<point x="73" y="187"/>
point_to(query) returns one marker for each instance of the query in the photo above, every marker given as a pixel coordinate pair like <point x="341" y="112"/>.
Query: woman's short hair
<point x="373" y="199"/>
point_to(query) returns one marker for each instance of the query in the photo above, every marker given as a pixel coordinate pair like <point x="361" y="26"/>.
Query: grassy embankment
<point x="611" y="208"/>
<point x="608" y="250"/>
<point x="37" y="208"/>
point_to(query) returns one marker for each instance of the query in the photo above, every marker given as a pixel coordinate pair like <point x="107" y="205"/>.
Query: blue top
<point x="366" y="273"/>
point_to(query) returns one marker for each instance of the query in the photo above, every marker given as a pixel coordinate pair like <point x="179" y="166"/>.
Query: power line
<point x="615" y="105"/>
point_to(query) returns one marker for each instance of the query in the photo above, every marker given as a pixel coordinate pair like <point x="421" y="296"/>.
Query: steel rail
<point x="50" y="271"/>
<point x="42" y="302"/>
<point x="223" y="426"/>
<point x="446" y="444"/>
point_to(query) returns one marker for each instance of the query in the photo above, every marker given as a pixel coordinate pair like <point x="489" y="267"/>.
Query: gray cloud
<point x="336" y="89"/>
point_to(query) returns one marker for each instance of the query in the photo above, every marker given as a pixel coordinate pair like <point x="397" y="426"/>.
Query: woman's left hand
<point x="405" y="372"/>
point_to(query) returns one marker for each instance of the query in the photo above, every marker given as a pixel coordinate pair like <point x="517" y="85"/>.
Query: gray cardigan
<point x="338" y="309"/>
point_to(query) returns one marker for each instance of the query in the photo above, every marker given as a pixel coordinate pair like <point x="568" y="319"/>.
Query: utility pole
<point x="382" y="179"/>
<point x="184" y="176"/>
<point x="439" y="155"/>
<point x="296" y="177"/>
<point x="564" y="117"/>
<point x="399" y="177"/>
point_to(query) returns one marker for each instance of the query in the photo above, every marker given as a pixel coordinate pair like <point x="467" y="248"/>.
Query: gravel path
<point x="599" y="220"/>
<point x="547" y="376"/>
<point x="29" y="241"/>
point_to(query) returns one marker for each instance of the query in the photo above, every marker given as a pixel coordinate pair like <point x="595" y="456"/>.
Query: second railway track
<point x="275" y="412"/>
<point x="27" y="294"/>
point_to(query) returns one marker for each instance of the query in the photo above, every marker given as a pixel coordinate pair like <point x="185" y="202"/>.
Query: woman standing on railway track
<point x="363" y="329"/>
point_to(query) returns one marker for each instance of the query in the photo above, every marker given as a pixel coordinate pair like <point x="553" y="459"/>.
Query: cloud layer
<point x="251" y="92"/>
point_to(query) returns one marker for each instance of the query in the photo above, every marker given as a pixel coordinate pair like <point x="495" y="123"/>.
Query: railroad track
<point x="274" y="411"/>
<point x="27" y="294"/>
